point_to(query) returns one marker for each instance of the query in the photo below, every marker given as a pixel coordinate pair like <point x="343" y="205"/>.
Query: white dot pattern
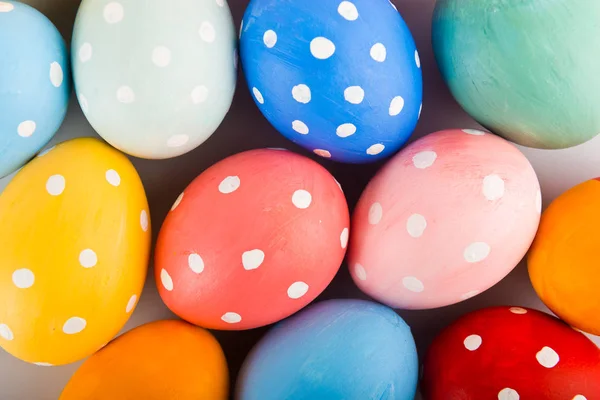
<point x="413" y="284"/>
<point x="396" y="106"/>
<point x="538" y="202"/>
<point x="131" y="303"/>
<point x="476" y="252"/>
<point x="270" y="38"/>
<point x="125" y="95"/>
<point x="161" y="56"/>
<point x="258" y="95"/>
<point x="301" y="93"/>
<point x="26" y="128"/>
<point x="322" y="48"/>
<point x="231" y="318"/>
<point x="375" y="213"/>
<point x="6" y="333"/>
<point x="300" y="127"/>
<point x="297" y="290"/>
<point x="113" y="12"/>
<point x="229" y="184"/>
<point x="493" y="187"/>
<point x="74" y="325"/>
<point x="166" y="280"/>
<point x="196" y="263"/>
<point x="473" y="132"/>
<point x="113" y="177"/>
<point x="360" y="272"/>
<point x="322" y="153"/>
<point x="344" y="237"/>
<point x="424" y="159"/>
<point x="302" y="199"/>
<point x="85" y="52"/>
<point x="253" y="259"/>
<point x="43" y="364"/>
<point x="345" y="130"/>
<point x="199" y="94"/>
<point x="547" y="357"/>
<point x="354" y="94"/>
<point x="55" y="185"/>
<point x="178" y="140"/>
<point x="472" y="342"/>
<point x="508" y="394"/>
<point x="348" y="10"/>
<point x="378" y="52"/>
<point x="23" y="278"/>
<point x="375" y="149"/>
<point x="6" y="7"/>
<point x="417" y="59"/>
<point x="207" y="32"/>
<point x="88" y="258"/>
<point x="518" y="310"/>
<point x="56" y="74"/>
<point x="177" y="202"/>
<point x="469" y="295"/>
<point x="415" y="225"/>
<point x="144" y="221"/>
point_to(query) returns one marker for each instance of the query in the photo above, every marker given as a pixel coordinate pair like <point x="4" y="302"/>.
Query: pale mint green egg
<point x="526" y="70"/>
<point x="155" y="78"/>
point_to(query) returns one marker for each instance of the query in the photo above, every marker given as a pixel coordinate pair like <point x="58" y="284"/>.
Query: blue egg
<point x="34" y="83"/>
<point x="336" y="349"/>
<point x="340" y="78"/>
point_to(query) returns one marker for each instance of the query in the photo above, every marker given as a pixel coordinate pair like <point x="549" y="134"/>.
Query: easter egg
<point x="563" y="263"/>
<point x="511" y="353"/>
<point x="154" y="78"/>
<point x="348" y="82"/>
<point x="34" y="83"/>
<point x="447" y="218"/>
<point x="528" y="71"/>
<point x="75" y="245"/>
<point x="162" y="360"/>
<point x="251" y="240"/>
<point x="336" y="349"/>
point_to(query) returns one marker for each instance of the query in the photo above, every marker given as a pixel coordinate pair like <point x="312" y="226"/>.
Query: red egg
<point x="511" y="353"/>
<point x="252" y="240"/>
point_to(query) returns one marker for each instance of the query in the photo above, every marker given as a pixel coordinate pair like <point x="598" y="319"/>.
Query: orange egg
<point x="162" y="360"/>
<point x="563" y="262"/>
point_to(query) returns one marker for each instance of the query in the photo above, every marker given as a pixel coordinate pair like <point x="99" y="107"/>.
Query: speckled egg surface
<point x="34" y="83"/>
<point x="154" y="78"/>
<point x="75" y="244"/>
<point x="511" y="353"/>
<point x="445" y="219"/>
<point x="335" y="350"/>
<point x="340" y="78"/>
<point x="251" y="240"/>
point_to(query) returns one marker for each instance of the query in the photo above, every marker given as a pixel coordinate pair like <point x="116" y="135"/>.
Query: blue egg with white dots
<point x="334" y="350"/>
<point x="340" y="78"/>
<point x="34" y="83"/>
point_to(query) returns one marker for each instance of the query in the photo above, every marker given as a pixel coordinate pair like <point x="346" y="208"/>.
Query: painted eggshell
<point x="154" y="78"/>
<point x="167" y="360"/>
<point x="445" y="219"/>
<point x="75" y="245"/>
<point x="348" y="80"/>
<point x="253" y="239"/>
<point x="563" y="261"/>
<point x="336" y="349"/>
<point x="546" y="94"/>
<point x="511" y="353"/>
<point x="34" y="83"/>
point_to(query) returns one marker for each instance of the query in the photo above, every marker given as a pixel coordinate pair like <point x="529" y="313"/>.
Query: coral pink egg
<point x="445" y="219"/>
<point x="252" y="240"/>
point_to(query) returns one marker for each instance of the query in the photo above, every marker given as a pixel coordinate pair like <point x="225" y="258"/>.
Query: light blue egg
<point x="340" y="78"/>
<point x="154" y="78"/>
<point x="334" y="350"/>
<point x="34" y="83"/>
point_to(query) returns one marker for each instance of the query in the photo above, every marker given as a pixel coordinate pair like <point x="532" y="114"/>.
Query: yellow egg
<point x="74" y="248"/>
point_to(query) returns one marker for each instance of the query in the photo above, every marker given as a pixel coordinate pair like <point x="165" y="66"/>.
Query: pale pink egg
<point x="445" y="219"/>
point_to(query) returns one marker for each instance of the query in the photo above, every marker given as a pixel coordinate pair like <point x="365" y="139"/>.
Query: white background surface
<point x="245" y="128"/>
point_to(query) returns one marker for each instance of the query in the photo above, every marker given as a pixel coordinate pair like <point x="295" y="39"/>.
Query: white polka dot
<point x="354" y="94"/>
<point x="474" y="132"/>
<point x="6" y="7"/>
<point x="166" y="280"/>
<point x="339" y="185"/>
<point x="469" y="295"/>
<point x="88" y="258"/>
<point x="378" y="52"/>
<point x="196" y="263"/>
<point x="415" y="225"/>
<point x="420" y="109"/>
<point x="344" y="238"/>
<point x="547" y="357"/>
<point x="360" y="272"/>
<point x="252" y="259"/>
<point x="26" y="128"/>
<point x="23" y="278"/>
<point x="297" y="290"/>
<point x="508" y="394"/>
<point x="221" y="3"/>
<point x="113" y="177"/>
<point x="424" y="159"/>
<point x="375" y="149"/>
<point x="43" y="153"/>
<point x="113" y="12"/>
<point x="125" y="95"/>
<point x="270" y="38"/>
<point x="348" y="10"/>
<point x="417" y="59"/>
<point x="345" y="130"/>
<point x="177" y="202"/>
<point x="301" y="93"/>
<point x="301" y="199"/>
<point x="207" y="32"/>
<point x="413" y="284"/>
<point x="74" y="325"/>
<point x="393" y="5"/>
<point x="229" y="184"/>
<point x="258" y="95"/>
<point x="322" y="48"/>
<point x="322" y="153"/>
<point x="472" y="342"/>
<point x="538" y="202"/>
<point x="161" y="56"/>
<point x="476" y="252"/>
<point x="43" y="364"/>
<point x="131" y="303"/>
<point x="55" y="185"/>
<point x="375" y="213"/>
<point x="493" y="187"/>
<point x="300" y="127"/>
<point x="144" y="222"/>
<point x="5" y="332"/>
<point x="56" y="74"/>
<point x="518" y="310"/>
<point x="579" y="397"/>
<point x="396" y="106"/>
<point x="83" y="103"/>
<point x="178" y="140"/>
<point x="85" y="52"/>
<point x="231" y="317"/>
<point x="199" y="94"/>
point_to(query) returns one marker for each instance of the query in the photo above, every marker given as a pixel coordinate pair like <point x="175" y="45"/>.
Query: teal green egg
<point x="526" y="70"/>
